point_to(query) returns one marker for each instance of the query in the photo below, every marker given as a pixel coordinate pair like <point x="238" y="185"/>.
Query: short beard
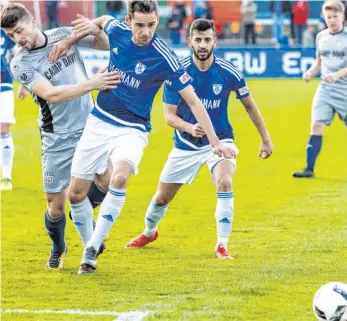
<point x="203" y="59"/>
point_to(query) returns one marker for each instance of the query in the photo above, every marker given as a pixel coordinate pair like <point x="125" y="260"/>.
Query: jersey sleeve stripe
<point x="164" y="47"/>
<point x="185" y="60"/>
<point x="167" y="58"/>
<point x="231" y="66"/>
<point x="230" y="70"/>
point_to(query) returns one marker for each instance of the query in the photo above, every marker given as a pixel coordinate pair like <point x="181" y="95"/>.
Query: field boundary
<point x="121" y="316"/>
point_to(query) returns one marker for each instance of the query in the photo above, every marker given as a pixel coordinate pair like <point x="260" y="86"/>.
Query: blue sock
<point x="96" y="195"/>
<point x="56" y="231"/>
<point x="312" y="150"/>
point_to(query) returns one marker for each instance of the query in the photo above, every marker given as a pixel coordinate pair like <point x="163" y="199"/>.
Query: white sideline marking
<point x="121" y="316"/>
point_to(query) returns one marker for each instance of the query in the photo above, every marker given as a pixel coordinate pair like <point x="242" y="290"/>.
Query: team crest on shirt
<point x="49" y="177"/>
<point x="217" y="88"/>
<point x="115" y="50"/>
<point x="140" y="68"/>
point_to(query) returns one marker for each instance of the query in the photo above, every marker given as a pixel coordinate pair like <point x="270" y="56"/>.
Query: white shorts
<point x="7" y="107"/>
<point x="183" y="165"/>
<point x="102" y="142"/>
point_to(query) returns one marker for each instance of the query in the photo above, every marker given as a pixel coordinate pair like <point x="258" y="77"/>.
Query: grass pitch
<point x="289" y="236"/>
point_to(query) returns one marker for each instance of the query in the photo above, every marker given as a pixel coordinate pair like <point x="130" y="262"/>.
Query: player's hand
<point x="105" y="81"/>
<point x="22" y="92"/>
<point x="58" y="50"/>
<point x="223" y="150"/>
<point x="266" y="149"/>
<point x="84" y="27"/>
<point x="331" y="78"/>
<point x="306" y="76"/>
<point x="197" y="131"/>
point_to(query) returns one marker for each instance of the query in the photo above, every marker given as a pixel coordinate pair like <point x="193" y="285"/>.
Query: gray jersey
<point x="30" y="66"/>
<point x="332" y="49"/>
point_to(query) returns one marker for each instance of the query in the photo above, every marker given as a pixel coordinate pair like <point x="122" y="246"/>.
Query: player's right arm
<point x="40" y="86"/>
<point x="313" y="70"/>
<point x="173" y="120"/>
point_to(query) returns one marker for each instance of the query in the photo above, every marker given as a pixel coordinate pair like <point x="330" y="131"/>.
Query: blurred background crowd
<point x="250" y="22"/>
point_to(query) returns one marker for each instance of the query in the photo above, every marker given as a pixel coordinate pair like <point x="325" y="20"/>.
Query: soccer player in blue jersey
<point x="117" y="129"/>
<point x="213" y="79"/>
<point x="6" y="113"/>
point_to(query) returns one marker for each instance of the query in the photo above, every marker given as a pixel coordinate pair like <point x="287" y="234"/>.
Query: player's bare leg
<point x="108" y="214"/>
<point x="312" y="150"/>
<point x="7" y="155"/>
<point x="155" y="212"/>
<point x="223" y="173"/>
<point x="55" y="223"/>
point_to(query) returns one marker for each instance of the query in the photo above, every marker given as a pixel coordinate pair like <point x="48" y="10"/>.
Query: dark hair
<point x="201" y="25"/>
<point x="144" y="6"/>
<point x="12" y="13"/>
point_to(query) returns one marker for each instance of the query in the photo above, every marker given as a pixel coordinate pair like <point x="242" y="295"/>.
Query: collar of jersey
<point x="142" y="47"/>
<point x="202" y="71"/>
<point x="44" y="45"/>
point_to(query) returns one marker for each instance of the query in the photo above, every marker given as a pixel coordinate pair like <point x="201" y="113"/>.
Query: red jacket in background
<point x="301" y="12"/>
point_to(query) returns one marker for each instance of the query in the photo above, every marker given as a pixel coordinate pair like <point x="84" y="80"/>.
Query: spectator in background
<point x="285" y="40"/>
<point x="52" y="14"/>
<point x="117" y="9"/>
<point x="249" y="11"/>
<point x="308" y="37"/>
<point x="175" y="24"/>
<point x="301" y="12"/>
<point x="202" y="10"/>
<point x="280" y="9"/>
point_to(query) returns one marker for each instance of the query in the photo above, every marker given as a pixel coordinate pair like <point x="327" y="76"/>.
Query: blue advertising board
<point x="253" y="62"/>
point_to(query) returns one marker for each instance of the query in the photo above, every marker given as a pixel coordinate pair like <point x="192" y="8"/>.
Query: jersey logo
<point x="140" y="68"/>
<point x="115" y="50"/>
<point x="217" y="88"/>
<point x="184" y="78"/>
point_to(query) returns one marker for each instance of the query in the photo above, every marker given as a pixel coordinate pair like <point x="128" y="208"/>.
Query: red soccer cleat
<point x="141" y="241"/>
<point x="222" y="253"/>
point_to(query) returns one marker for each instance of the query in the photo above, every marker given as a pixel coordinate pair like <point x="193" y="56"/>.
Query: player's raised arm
<point x="266" y="146"/>
<point x="200" y="113"/>
<point x="86" y="32"/>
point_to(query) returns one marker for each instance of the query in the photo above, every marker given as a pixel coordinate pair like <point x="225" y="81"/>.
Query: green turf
<point x="289" y="236"/>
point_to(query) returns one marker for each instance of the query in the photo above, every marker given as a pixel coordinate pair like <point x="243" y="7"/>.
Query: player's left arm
<point x="266" y="146"/>
<point x="333" y="77"/>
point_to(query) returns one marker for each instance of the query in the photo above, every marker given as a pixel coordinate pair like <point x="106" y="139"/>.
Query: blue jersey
<point x="143" y="70"/>
<point x="6" y="78"/>
<point x="213" y="87"/>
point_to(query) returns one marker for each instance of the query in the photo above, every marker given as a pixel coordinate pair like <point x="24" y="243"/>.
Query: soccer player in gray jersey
<point x="62" y="91"/>
<point x="331" y="95"/>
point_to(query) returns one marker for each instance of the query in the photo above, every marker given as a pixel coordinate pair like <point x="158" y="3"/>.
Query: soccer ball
<point x="330" y="302"/>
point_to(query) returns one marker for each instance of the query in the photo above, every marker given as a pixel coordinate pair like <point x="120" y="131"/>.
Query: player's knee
<point x="317" y="128"/>
<point x="55" y="210"/>
<point x="76" y="196"/>
<point x="224" y="184"/>
<point x="119" y="181"/>
<point x="4" y="128"/>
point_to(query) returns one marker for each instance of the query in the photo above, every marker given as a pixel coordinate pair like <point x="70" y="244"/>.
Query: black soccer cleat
<point x="56" y="260"/>
<point x="306" y="173"/>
